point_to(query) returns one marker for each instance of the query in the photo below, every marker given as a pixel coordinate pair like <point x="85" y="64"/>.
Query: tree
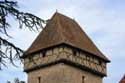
<point x="8" y="51"/>
<point x="8" y="82"/>
<point x="16" y="80"/>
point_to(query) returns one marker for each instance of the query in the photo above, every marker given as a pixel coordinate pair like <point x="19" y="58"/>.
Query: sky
<point x="102" y="20"/>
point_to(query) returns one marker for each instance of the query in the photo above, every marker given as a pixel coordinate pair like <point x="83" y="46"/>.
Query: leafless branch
<point x="25" y="19"/>
<point x="8" y="51"/>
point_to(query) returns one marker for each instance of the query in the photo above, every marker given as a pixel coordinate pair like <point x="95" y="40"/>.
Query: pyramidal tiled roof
<point x="62" y="29"/>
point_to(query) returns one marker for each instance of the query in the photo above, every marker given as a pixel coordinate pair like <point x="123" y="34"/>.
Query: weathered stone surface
<point x="59" y="53"/>
<point x="63" y="53"/>
<point x="62" y="73"/>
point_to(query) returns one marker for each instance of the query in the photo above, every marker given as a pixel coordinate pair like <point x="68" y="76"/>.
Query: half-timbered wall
<point x="67" y="53"/>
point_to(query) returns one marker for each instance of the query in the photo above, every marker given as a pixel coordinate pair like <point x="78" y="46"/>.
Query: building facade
<point x="63" y="53"/>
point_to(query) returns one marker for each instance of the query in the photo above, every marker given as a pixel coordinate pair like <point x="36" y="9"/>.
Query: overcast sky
<point x="102" y="20"/>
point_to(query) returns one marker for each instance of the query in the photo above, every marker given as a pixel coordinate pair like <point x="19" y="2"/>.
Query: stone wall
<point x="61" y="73"/>
<point x="66" y="53"/>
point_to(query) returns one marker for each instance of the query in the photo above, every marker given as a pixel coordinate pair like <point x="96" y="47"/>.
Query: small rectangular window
<point x="100" y="62"/>
<point x="74" y="52"/>
<point x="83" y="79"/>
<point x="44" y="53"/>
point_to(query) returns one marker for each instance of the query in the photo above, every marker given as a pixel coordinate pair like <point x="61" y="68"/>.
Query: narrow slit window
<point x="83" y="79"/>
<point x="39" y="79"/>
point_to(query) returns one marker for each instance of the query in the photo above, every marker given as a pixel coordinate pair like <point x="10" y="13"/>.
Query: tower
<point x="63" y="53"/>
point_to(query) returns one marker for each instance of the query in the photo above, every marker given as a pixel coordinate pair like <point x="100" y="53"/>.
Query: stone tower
<point x="63" y="53"/>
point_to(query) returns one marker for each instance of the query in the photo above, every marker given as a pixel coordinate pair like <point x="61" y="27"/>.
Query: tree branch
<point x="9" y="52"/>
<point x="27" y="19"/>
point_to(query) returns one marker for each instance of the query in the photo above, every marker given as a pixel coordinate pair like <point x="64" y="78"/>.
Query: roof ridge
<point x="61" y="34"/>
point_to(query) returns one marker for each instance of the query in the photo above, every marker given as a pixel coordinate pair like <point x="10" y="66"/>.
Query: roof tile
<point x="62" y="29"/>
